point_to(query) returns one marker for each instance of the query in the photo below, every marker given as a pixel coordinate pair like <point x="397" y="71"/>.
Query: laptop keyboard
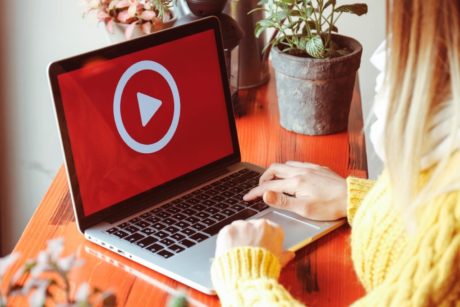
<point x="193" y="218"/>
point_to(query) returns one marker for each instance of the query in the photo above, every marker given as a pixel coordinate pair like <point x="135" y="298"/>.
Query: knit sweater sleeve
<point x="428" y="272"/>
<point x="357" y="189"/>
<point x="247" y="276"/>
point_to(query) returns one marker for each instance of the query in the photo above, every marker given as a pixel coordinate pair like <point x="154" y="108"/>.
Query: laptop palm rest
<point x="297" y="229"/>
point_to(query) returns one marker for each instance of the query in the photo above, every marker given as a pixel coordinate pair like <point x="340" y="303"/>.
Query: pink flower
<point x="147" y="15"/>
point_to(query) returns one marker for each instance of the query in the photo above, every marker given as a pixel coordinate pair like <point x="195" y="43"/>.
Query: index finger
<point x="281" y="186"/>
<point x="277" y="170"/>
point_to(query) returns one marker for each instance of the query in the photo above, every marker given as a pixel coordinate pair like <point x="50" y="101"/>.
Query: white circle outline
<point x="131" y="71"/>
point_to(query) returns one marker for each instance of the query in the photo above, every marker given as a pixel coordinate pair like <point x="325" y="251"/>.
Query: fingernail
<point x="246" y="197"/>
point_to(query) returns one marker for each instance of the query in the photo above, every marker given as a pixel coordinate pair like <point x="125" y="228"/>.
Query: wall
<point x="39" y="34"/>
<point x="3" y="175"/>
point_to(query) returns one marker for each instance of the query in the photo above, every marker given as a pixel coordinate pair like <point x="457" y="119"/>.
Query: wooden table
<point x="322" y="273"/>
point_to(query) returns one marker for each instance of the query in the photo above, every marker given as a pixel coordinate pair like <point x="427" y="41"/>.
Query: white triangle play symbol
<point x="148" y="106"/>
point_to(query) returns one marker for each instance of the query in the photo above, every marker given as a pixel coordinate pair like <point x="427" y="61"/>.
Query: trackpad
<point x="296" y="231"/>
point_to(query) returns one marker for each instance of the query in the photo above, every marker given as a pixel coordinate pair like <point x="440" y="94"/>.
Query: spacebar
<point x="242" y="215"/>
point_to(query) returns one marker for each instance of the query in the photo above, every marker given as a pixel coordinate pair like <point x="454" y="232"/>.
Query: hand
<point x="260" y="233"/>
<point x="310" y="190"/>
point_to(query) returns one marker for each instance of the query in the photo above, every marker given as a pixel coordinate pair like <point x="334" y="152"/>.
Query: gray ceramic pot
<point x="314" y="95"/>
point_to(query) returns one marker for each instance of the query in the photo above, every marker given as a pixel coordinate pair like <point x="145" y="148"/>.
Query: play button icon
<point x="148" y="106"/>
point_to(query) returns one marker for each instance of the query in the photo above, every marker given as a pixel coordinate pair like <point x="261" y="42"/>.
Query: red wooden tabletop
<point x="321" y="274"/>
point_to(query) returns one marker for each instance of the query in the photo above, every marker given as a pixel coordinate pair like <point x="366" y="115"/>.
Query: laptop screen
<point x="144" y="118"/>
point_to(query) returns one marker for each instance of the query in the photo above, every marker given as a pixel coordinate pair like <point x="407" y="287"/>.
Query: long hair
<point x="423" y="70"/>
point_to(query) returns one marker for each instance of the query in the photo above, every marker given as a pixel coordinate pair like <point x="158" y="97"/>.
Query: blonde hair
<point x="423" y="70"/>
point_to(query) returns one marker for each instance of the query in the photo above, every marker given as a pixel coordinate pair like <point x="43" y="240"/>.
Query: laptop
<point x="152" y="155"/>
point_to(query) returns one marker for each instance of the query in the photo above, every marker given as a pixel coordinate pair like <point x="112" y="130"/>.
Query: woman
<point x="405" y="226"/>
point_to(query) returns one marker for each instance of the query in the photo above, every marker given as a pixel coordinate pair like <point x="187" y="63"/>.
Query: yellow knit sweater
<point x="397" y="268"/>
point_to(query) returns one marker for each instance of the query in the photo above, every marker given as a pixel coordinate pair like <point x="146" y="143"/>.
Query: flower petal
<point x="129" y="30"/>
<point x="147" y="27"/>
<point x="82" y="294"/>
<point x="147" y="15"/>
<point x="6" y="262"/>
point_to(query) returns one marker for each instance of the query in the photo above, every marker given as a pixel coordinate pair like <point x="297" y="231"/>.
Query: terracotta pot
<point x="118" y="34"/>
<point x="314" y="95"/>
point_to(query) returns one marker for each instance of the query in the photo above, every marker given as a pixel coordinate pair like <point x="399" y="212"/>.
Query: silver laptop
<point x="152" y="154"/>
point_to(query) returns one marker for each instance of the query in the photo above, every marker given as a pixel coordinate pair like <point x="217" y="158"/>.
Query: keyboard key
<point x="131" y="229"/>
<point x="120" y="233"/>
<point x="198" y="237"/>
<point x="227" y="194"/>
<point x="208" y="221"/>
<point x="112" y="230"/>
<point x="192" y="219"/>
<point x="123" y="225"/>
<point x="166" y="254"/>
<point x="218" y="216"/>
<point x="212" y="192"/>
<point x="134" y="220"/>
<point x="181" y="205"/>
<point x="173" y="210"/>
<point x="189" y="212"/>
<point x="237" y="207"/>
<point x="259" y="206"/>
<point x="218" y="198"/>
<point x="222" y="206"/>
<point x="199" y="207"/>
<point x="231" y="201"/>
<point x="171" y="229"/>
<point x="176" y="248"/>
<point x="163" y="214"/>
<point x="134" y="237"/>
<point x="187" y="243"/>
<point x="152" y="219"/>
<point x="228" y="212"/>
<point x="209" y="203"/>
<point x="188" y="231"/>
<point x="211" y="210"/>
<point x="179" y="216"/>
<point x="155" y="248"/>
<point x="178" y="236"/>
<point x="158" y="226"/>
<point x="142" y="224"/>
<point x="202" y="215"/>
<point x="242" y="215"/>
<point x="203" y="196"/>
<point x="146" y="215"/>
<point x="169" y="221"/>
<point x="148" y="231"/>
<point x="166" y="242"/>
<point x="160" y="234"/>
<point x="147" y="241"/>
<point x="193" y="201"/>
<point x="182" y="225"/>
<point x="221" y="188"/>
<point x="198" y="226"/>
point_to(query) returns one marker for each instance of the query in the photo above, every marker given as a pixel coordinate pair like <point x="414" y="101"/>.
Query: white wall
<point x="40" y="33"/>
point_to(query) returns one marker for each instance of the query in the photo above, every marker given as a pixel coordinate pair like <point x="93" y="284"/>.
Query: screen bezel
<point x="153" y="195"/>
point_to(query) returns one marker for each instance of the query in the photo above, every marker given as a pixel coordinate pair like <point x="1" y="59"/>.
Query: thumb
<point x="286" y="256"/>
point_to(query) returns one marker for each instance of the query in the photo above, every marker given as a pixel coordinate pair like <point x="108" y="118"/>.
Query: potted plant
<point x="132" y="18"/>
<point x="315" y="68"/>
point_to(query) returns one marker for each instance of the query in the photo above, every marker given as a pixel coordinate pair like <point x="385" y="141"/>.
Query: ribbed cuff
<point x="357" y="189"/>
<point x="243" y="263"/>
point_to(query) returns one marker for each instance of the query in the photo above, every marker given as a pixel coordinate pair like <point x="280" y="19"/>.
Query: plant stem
<point x="328" y="40"/>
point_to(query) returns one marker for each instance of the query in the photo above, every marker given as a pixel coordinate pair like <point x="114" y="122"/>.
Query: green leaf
<point x="357" y="8"/>
<point x="315" y="47"/>
<point x="258" y="30"/>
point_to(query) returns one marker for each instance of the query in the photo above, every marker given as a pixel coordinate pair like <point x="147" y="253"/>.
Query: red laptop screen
<point x="143" y="119"/>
